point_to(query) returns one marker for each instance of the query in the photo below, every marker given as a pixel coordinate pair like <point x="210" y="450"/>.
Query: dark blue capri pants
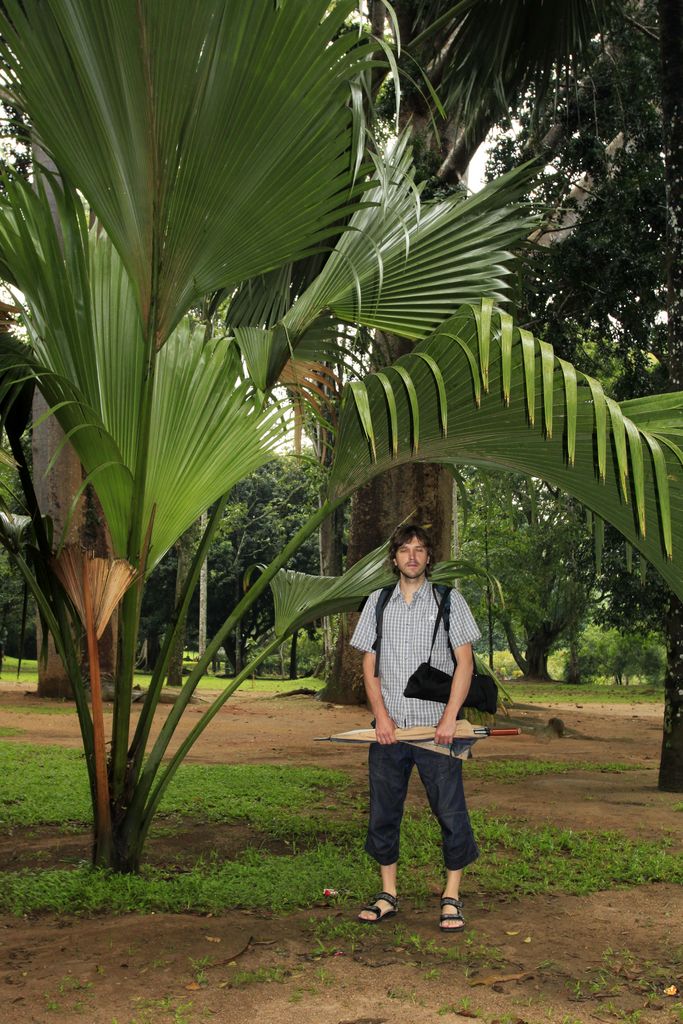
<point x="390" y="766"/>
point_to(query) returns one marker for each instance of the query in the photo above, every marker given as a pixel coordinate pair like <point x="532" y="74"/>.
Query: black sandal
<point x="451" y="901"/>
<point x="380" y="915"/>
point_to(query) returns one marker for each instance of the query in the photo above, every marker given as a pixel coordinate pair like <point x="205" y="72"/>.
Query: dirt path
<point x="609" y="956"/>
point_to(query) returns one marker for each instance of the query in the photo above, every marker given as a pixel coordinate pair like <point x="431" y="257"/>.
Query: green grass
<point x="29" y="675"/>
<point x="255" y="879"/>
<point x="218" y="684"/>
<point x="7" y="730"/>
<point x="548" y="693"/>
<point x="520" y="691"/>
<point x="9" y="664"/>
<point x="262" y="795"/>
<point x="516" y="861"/>
<point x="292" y="803"/>
<point x="63" y="708"/>
<point x="508" y="770"/>
<point x="24" y="678"/>
<point x="521" y="859"/>
<point x="262" y="685"/>
<point x="265" y="796"/>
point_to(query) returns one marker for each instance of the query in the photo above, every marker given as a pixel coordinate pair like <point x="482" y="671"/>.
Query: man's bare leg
<point x="452" y="888"/>
<point x="388" y="876"/>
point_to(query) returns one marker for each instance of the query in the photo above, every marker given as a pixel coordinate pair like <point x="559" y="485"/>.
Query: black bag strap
<point x="445" y="592"/>
<point x="384" y="595"/>
<point x="444" y="608"/>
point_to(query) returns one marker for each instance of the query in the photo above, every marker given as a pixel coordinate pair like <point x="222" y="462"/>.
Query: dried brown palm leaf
<point x="308" y="379"/>
<point x="8" y="315"/>
<point x="314" y="385"/>
<point x="109" y="580"/>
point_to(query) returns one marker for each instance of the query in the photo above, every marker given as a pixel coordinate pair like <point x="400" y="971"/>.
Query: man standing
<point x="407" y="629"/>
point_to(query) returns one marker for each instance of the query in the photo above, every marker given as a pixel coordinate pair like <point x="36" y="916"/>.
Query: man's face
<point x="412" y="559"/>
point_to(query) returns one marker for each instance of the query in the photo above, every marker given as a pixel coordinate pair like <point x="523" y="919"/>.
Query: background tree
<point x="594" y="279"/>
<point x="621" y="656"/>
<point x="623" y="221"/>
<point x="17" y="610"/>
<point x="534" y="541"/>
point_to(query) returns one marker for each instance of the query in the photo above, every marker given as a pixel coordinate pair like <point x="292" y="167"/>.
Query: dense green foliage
<point x="598" y="290"/>
<point x="621" y="657"/>
<point x="534" y="541"/>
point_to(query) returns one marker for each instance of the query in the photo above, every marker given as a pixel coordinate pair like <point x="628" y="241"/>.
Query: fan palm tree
<point x="126" y="99"/>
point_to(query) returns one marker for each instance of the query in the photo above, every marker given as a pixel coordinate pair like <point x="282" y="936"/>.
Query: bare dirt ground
<point x="609" y="956"/>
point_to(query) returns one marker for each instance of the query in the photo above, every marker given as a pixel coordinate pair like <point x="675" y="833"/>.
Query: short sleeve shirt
<point x="407" y="631"/>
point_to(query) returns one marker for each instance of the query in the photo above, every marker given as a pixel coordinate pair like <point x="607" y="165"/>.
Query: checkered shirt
<point x="407" y="631"/>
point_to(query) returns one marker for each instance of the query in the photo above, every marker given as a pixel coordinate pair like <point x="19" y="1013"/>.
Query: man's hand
<point x="445" y="730"/>
<point x="462" y="677"/>
<point x="385" y="729"/>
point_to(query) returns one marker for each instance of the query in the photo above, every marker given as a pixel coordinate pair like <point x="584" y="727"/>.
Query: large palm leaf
<point x="483" y="392"/>
<point x="300" y="598"/>
<point x="403" y="266"/>
<point x="214" y="141"/>
<point x="87" y="352"/>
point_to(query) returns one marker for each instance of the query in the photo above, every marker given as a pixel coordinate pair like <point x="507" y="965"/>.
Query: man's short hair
<point x="405" y="533"/>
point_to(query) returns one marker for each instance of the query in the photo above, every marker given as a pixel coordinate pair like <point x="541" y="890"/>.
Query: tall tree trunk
<point x="293" y="667"/>
<point x="423" y="492"/>
<point x="573" y="665"/>
<point x="203" y="593"/>
<point x="237" y="634"/>
<point x="184" y="548"/>
<point x="515" y="651"/>
<point x="330" y="536"/>
<point x="537" y="652"/>
<point x="671" y="50"/>
<point x="671" y="761"/>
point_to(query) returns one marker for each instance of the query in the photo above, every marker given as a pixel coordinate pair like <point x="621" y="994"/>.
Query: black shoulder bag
<point x="428" y="683"/>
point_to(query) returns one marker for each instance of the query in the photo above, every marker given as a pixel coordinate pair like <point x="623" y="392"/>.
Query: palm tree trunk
<point x="203" y="594"/>
<point x="671" y="51"/>
<point x="293" y="665"/>
<point x="103" y="830"/>
<point x="184" y="551"/>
